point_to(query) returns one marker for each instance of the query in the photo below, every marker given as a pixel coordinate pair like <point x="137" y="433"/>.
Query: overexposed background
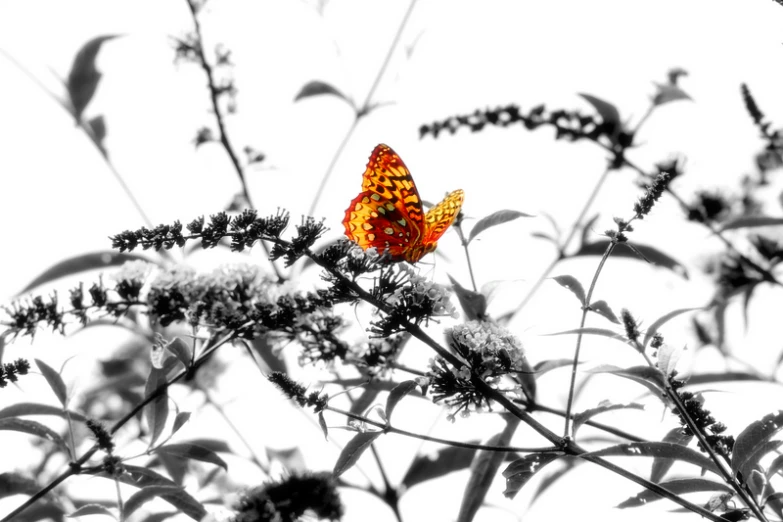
<point x="58" y="199"/>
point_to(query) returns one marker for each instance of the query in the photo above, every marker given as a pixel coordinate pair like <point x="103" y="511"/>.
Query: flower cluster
<point x="705" y="422"/>
<point x="289" y="499"/>
<point x="9" y="372"/>
<point x="489" y="353"/>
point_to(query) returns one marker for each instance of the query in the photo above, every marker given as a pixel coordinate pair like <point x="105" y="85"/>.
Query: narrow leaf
<point x="140" y="477"/>
<point x="145" y="495"/>
<point x="31" y="408"/>
<point x="571" y="283"/>
<point x="157" y="411"/>
<point x="33" y="428"/>
<point x="751" y="221"/>
<point x="78" y="264"/>
<point x="602" y="332"/>
<point x="92" y="509"/>
<point x="399" y="391"/>
<point x="588" y="414"/>
<point x="653" y="328"/>
<point x="318" y="88"/>
<point x="651" y="378"/>
<point x="442" y="462"/>
<point x="678" y="487"/>
<point x="353" y="450"/>
<point x="322" y="424"/>
<point x="494" y="219"/>
<point x="181" y="350"/>
<point x="608" y="112"/>
<point x="193" y="452"/>
<point x="55" y="381"/>
<point x="473" y="303"/>
<point x="14" y="483"/>
<point x="84" y="76"/>
<point x="666" y="450"/>
<point x="651" y="254"/>
<point x="519" y="472"/>
<point x="753" y="437"/>
<point x="662" y="465"/>
<point x="180" y="420"/>
<point x="669" y="93"/>
<point x="547" y="366"/>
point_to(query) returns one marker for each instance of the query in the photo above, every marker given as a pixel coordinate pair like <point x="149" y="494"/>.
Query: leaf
<point x="442" y="462"/>
<point x="653" y="328"/>
<point x="661" y="465"/>
<point x="608" y="112"/>
<point x="353" y="450"/>
<point x="483" y="470"/>
<point x="494" y="219"/>
<point x="181" y="351"/>
<point x="751" y="221"/>
<point x="473" y="303"/>
<point x="180" y="420"/>
<point x="318" y="88"/>
<point x="92" y="509"/>
<point x="667" y="358"/>
<point x="78" y="264"/>
<point x="589" y="330"/>
<point x="571" y="283"/>
<point x="652" y="254"/>
<point x="55" y="381"/>
<point x="678" y="487"/>
<point x="753" y="438"/>
<point x="97" y="127"/>
<point x="651" y="378"/>
<point x="547" y="366"/>
<point x="519" y="472"/>
<point x="668" y="450"/>
<point x="13" y="483"/>
<point x="33" y="428"/>
<point x="581" y="418"/>
<point x="322" y="424"/>
<point x="141" y="477"/>
<point x="602" y="308"/>
<point x="193" y="452"/>
<point x="669" y="93"/>
<point x="399" y="391"/>
<point x="84" y="77"/>
<point x="145" y="495"/>
<point x="156" y="411"/>
<point x="264" y="347"/>
<point x="32" y="408"/>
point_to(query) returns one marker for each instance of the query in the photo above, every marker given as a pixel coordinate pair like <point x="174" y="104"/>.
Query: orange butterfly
<point x="388" y="214"/>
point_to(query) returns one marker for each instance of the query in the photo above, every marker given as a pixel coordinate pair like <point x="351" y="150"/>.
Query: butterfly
<point x="388" y="213"/>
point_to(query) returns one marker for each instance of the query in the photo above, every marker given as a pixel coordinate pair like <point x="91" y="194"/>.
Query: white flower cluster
<point x="422" y="289"/>
<point x="489" y="340"/>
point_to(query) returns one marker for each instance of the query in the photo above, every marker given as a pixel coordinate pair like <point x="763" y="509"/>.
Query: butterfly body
<point x="388" y="213"/>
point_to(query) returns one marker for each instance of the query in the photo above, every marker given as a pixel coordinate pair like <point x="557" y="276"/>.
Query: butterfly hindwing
<point x="441" y="216"/>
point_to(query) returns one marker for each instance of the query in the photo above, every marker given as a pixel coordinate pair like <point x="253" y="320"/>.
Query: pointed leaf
<point x="667" y="450"/>
<point x="519" y="472"/>
<point x="588" y="414"/>
<point x="156" y="411"/>
<point x="180" y="420"/>
<point x="322" y="424"/>
<point x="92" y="509"/>
<point x="668" y="356"/>
<point x="662" y="465"/>
<point x="181" y="350"/>
<point x="473" y="303"/>
<point x="78" y="264"/>
<point x="442" y="462"/>
<point x="669" y="93"/>
<point x="571" y="283"/>
<point x="14" y="483"/>
<point x="55" y="381"/>
<point x="145" y="495"/>
<point x="602" y="308"/>
<point x="483" y="470"/>
<point x="494" y="219"/>
<point x="651" y="254"/>
<point x="753" y="438"/>
<point x="608" y="112"/>
<point x="602" y="332"/>
<point x="84" y="76"/>
<point x="678" y="487"/>
<point x="194" y="452"/>
<point x="547" y="366"/>
<point x="750" y="222"/>
<point x="318" y="88"/>
<point x="399" y="391"/>
<point x="33" y="428"/>
<point x="31" y="408"/>
<point x="651" y="378"/>
<point x="140" y="477"/>
<point x="353" y="450"/>
<point x="653" y="328"/>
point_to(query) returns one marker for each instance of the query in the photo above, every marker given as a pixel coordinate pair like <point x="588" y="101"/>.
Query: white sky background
<point x="58" y="199"/>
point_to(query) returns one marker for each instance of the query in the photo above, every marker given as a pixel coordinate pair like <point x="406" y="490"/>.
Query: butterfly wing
<point x="440" y="217"/>
<point x="387" y="214"/>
